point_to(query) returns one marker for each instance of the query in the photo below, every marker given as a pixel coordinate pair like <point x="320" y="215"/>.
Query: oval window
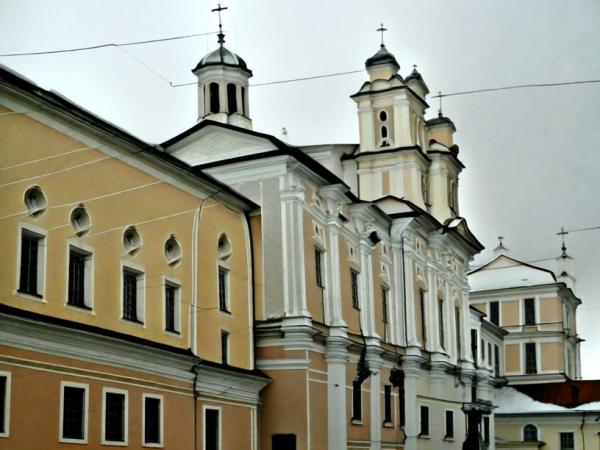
<point x="382" y="116"/>
<point x="35" y="200"/>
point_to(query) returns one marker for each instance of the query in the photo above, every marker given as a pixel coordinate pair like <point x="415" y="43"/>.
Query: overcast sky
<point x="532" y="156"/>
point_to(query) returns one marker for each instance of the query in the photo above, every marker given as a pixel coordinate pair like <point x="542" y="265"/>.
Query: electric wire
<point x="516" y="86"/>
<point x="94" y="47"/>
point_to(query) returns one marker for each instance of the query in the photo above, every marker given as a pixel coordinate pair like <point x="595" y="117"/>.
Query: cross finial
<point x="221" y="36"/>
<point x="500" y="239"/>
<point x="381" y="29"/>
<point x="562" y="236"/>
<point x="440" y="115"/>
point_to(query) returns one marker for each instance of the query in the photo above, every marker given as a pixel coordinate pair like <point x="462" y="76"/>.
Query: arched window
<point x="231" y="98"/>
<point x="244" y="112"/>
<point x="530" y="433"/>
<point x="214" y="98"/>
<point x="224" y="251"/>
<point x="384" y="132"/>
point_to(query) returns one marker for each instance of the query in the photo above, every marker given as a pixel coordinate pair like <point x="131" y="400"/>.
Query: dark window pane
<point x="441" y="322"/>
<point x="458" y="334"/>
<point x="402" y="404"/>
<point x="529" y="311"/>
<point x="283" y="442"/>
<point x="170" y="292"/>
<point x="384" y="132"/>
<point x="152" y="420"/>
<point x="356" y="401"/>
<point x="73" y="412"/>
<point x="2" y="404"/>
<point x="387" y="403"/>
<point x="130" y="296"/>
<point x="494" y="313"/>
<point x="424" y="421"/>
<point x="423" y="318"/>
<point x="224" y="347"/>
<point x="530" y="433"/>
<point x="384" y="305"/>
<point x="486" y="430"/>
<point x="319" y="268"/>
<point x="114" y="428"/>
<point x="567" y="441"/>
<point x="223" y="273"/>
<point x="474" y="341"/>
<point x="231" y="98"/>
<point x="354" y="281"/>
<point x="497" y="360"/>
<point x="530" y="358"/>
<point x="449" y="424"/>
<point x="29" y="265"/>
<point x="211" y="436"/>
<point x="244" y="100"/>
<point x="215" y="105"/>
<point x="76" y="279"/>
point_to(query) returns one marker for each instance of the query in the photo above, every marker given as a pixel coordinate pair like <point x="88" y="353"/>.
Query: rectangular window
<point x="567" y="441"/>
<point x="283" y="442"/>
<point x="32" y="263"/>
<point x="223" y="282"/>
<point x="402" y="404"/>
<point x="319" y="267"/>
<point x="73" y="425"/>
<point x="529" y="305"/>
<point x="224" y="347"/>
<point x="132" y="295"/>
<point x="482" y="351"/>
<point x="356" y="400"/>
<point x="489" y="353"/>
<point x="474" y="349"/>
<point x="79" y="289"/>
<point x="384" y="304"/>
<point x="424" y="430"/>
<point x="441" y="322"/>
<point x="486" y="429"/>
<point x="497" y="360"/>
<point x="354" y="281"/>
<point x="423" y="317"/>
<point x="449" y="425"/>
<point x="530" y="358"/>
<point x="153" y="419"/>
<point x="172" y="292"/>
<point x="458" y="334"/>
<point x="495" y="313"/>
<point x="212" y="433"/>
<point x="4" y="403"/>
<point x="115" y="416"/>
<point x="387" y="389"/>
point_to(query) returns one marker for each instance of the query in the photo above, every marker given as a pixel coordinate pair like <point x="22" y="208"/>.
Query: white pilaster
<point x="375" y="363"/>
<point x="336" y="356"/>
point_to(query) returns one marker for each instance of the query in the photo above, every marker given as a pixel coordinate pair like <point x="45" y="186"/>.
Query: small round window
<point x="173" y="250"/>
<point x="35" y="200"/>
<point x="224" y="246"/>
<point x="382" y="116"/>
<point x="80" y="220"/>
<point x="132" y="241"/>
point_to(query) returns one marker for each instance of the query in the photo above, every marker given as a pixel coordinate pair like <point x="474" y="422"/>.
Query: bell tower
<point x="223" y="85"/>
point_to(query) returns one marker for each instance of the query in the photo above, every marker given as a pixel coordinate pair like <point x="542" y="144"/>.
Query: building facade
<point x="126" y="309"/>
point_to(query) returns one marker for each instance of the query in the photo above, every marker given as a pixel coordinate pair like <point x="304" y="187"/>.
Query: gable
<point x="505" y="272"/>
<point x="215" y="143"/>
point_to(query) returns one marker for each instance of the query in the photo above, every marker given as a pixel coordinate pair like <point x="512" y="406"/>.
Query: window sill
<point x="30" y="296"/>
<point x="173" y="332"/>
<point x="449" y="438"/>
<point x="72" y="441"/>
<point x="424" y="436"/>
<point x="356" y="422"/>
<point x="84" y="309"/>
<point x="388" y="425"/>
<point x="115" y="443"/>
<point x="146" y="445"/>
<point x="133" y="321"/>
<point x="224" y="311"/>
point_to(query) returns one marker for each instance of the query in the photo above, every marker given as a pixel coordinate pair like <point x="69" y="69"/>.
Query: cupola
<point x="223" y="85"/>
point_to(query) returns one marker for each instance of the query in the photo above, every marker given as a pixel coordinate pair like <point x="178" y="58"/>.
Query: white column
<point x="294" y="280"/>
<point x="334" y="280"/>
<point x="375" y="363"/>
<point x="223" y="108"/>
<point x="410" y="301"/>
<point x="366" y="287"/>
<point x="411" y="426"/>
<point x="336" y="356"/>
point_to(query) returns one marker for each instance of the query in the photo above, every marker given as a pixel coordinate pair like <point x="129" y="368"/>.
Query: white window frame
<point x="175" y="283"/>
<point x="86" y="410"/>
<point x="6" y="432"/>
<point x="88" y="288"/>
<point x="42" y="236"/>
<point x="140" y="294"/>
<point x="125" y="441"/>
<point x="539" y="431"/>
<point x="161" y="419"/>
<point x="220" y="440"/>
<point x="573" y="432"/>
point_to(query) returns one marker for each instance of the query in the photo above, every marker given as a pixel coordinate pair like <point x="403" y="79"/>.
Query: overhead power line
<point x="93" y="47"/>
<point x="517" y="86"/>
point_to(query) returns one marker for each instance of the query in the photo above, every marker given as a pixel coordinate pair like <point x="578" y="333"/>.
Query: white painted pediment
<point x="214" y="143"/>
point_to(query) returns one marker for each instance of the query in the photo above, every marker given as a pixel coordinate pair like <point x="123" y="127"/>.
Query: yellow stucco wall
<point x="510" y="313"/>
<point x="116" y="194"/>
<point x="549" y="433"/>
<point x="552" y="356"/>
<point x="512" y="358"/>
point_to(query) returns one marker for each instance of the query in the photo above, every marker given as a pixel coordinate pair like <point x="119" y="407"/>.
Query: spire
<point x="381" y="29"/>
<point x="221" y="36"/>
<point x="500" y="249"/>
<point x="563" y="247"/>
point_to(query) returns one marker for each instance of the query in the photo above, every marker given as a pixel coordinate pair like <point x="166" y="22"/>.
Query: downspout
<point x="581" y="429"/>
<point x="195" y="395"/>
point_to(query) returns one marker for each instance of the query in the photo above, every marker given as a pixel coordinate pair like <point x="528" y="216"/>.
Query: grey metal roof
<point x="225" y="57"/>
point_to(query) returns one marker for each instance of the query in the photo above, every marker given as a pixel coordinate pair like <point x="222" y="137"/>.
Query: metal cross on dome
<point x="221" y="36"/>
<point x="381" y="29"/>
